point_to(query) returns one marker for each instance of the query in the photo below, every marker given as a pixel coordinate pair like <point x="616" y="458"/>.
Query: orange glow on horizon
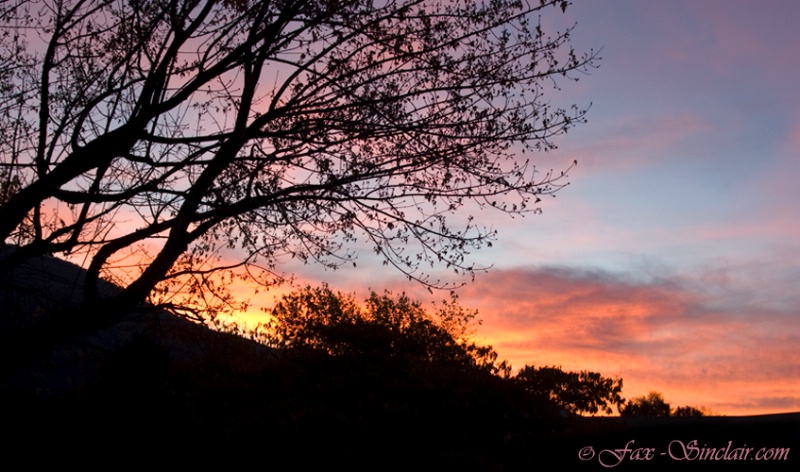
<point x="656" y="337"/>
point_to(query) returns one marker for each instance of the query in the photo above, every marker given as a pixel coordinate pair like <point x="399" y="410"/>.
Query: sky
<point x="672" y="259"/>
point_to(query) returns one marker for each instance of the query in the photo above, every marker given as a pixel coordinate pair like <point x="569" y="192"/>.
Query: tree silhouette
<point x="382" y="328"/>
<point x="651" y="405"/>
<point x="152" y="135"/>
<point x="687" y="411"/>
<point x="576" y="392"/>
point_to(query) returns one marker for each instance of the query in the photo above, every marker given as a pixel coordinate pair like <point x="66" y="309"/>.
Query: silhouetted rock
<point x="36" y="293"/>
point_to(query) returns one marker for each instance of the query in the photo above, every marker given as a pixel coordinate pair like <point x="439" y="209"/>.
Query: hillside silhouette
<point x="357" y="402"/>
<point x="156" y="374"/>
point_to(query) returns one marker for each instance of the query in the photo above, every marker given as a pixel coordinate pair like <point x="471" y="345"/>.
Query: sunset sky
<point x="673" y="257"/>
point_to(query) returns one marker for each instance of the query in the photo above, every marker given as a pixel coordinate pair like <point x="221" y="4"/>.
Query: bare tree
<point x="167" y="130"/>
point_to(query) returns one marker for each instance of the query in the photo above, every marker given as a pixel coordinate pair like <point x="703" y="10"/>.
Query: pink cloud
<point x="661" y="336"/>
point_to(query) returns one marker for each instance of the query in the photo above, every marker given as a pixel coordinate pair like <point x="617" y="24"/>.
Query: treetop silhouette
<point x="384" y="326"/>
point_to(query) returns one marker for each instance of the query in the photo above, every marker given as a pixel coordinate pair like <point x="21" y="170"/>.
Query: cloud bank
<point x="698" y="340"/>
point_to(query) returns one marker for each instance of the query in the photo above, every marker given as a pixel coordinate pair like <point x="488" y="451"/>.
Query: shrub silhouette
<point x="687" y="411"/>
<point x="651" y="405"/>
<point x="576" y="392"/>
<point x="654" y="405"/>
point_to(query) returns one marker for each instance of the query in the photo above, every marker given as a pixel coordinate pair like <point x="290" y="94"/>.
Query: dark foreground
<point x="154" y="388"/>
<point x="174" y="391"/>
<point x="769" y="442"/>
<point x="308" y="413"/>
<point x="282" y="427"/>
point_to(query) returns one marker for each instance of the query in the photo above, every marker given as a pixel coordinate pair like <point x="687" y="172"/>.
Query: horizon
<point x="672" y="258"/>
